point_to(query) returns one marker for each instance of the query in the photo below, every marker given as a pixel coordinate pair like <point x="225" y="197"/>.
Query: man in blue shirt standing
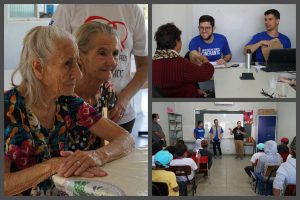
<point x="199" y="131"/>
<point x="272" y="18"/>
<point x="209" y="46"/>
<point x="216" y="134"/>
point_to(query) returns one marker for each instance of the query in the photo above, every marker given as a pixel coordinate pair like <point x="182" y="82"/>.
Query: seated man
<point x="209" y="46"/>
<point x="181" y="152"/>
<point x="272" y="18"/>
<point x="205" y="152"/>
<point x="271" y="157"/>
<point x="283" y="148"/>
<point x="286" y="173"/>
<point x="159" y="174"/>
<point x="260" y="151"/>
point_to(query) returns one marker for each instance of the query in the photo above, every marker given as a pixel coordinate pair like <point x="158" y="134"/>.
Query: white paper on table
<point x="216" y="65"/>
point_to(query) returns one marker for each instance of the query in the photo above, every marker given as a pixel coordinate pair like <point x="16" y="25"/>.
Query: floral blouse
<point x="80" y="137"/>
<point x="28" y="143"/>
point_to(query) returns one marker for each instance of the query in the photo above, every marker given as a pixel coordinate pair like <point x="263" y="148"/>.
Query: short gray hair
<point x="84" y="33"/>
<point x="40" y="43"/>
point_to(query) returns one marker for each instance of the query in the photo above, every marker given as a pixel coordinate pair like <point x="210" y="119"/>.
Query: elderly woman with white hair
<point x="271" y="157"/>
<point x="40" y="112"/>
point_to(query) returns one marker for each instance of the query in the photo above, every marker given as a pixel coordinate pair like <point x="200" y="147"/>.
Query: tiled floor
<point x="227" y="178"/>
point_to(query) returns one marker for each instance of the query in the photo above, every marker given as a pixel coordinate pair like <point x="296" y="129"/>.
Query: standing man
<point x="209" y="46"/>
<point x="216" y="134"/>
<point x="272" y="19"/>
<point x="129" y="22"/>
<point x="239" y="134"/>
<point x="158" y="134"/>
<point x="199" y="131"/>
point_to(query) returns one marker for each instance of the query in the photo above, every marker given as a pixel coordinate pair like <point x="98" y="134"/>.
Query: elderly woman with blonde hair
<point x="41" y="111"/>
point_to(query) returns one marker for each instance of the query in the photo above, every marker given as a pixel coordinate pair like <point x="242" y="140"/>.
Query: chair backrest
<point x="290" y="190"/>
<point x="160" y="189"/>
<point x="270" y="172"/>
<point x="183" y="170"/>
<point x="284" y="155"/>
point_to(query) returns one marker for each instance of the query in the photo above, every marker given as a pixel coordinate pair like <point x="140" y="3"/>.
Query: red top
<point x="177" y="77"/>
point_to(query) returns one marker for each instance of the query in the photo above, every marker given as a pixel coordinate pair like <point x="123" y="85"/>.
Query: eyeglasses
<point x="205" y="28"/>
<point x="267" y="94"/>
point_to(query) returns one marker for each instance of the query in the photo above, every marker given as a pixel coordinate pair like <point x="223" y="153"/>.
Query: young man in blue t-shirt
<point x="272" y="18"/>
<point x="209" y="46"/>
<point x="199" y="131"/>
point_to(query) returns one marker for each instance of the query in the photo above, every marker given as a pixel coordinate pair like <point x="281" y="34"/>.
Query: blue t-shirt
<point x="216" y="138"/>
<point x="199" y="132"/>
<point x="212" y="51"/>
<point x="285" y="41"/>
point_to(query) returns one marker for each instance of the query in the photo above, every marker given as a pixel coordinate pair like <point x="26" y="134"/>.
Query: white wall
<point x="14" y="33"/>
<point x="286" y="120"/>
<point x="180" y="15"/>
<point x="238" y="22"/>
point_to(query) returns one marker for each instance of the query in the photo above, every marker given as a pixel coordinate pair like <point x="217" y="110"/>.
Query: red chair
<point x="290" y="190"/>
<point x="203" y="165"/>
<point x="284" y="155"/>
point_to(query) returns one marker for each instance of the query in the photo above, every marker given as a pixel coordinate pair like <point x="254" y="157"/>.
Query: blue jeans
<point x="261" y="185"/>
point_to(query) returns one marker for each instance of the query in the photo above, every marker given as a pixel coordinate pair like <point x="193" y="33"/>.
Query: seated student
<point x="272" y="19"/>
<point x="209" y="45"/>
<point x="197" y="146"/>
<point x="181" y="152"/>
<point x="260" y="151"/>
<point x="174" y="75"/>
<point x="179" y="142"/>
<point x="205" y="152"/>
<point x="286" y="173"/>
<point x="271" y="157"/>
<point x="159" y="174"/>
<point x="156" y="147"/>
<point x="171" y="149"/>
<point x="283" y="148"/>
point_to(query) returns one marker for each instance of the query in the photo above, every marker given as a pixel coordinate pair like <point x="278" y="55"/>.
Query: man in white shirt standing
<point x="129" y="22"/>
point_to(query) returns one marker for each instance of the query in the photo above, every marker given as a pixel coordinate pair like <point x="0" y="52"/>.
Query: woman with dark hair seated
<point x="174" y="75"/>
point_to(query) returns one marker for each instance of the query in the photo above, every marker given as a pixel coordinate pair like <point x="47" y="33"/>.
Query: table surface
<point x="129" y="173"/>
<point x="228" y="84"/>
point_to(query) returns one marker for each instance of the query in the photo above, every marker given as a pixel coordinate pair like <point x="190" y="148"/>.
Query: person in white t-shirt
<point x="129" y="22"/>
<point x="260" y="151"/>
<point x="286" y="173"/>
<point x="180" y="160"/>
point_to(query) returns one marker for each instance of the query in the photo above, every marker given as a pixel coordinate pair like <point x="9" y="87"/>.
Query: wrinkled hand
<point x="118" y="111"/>
<point x="79" y="163"/>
